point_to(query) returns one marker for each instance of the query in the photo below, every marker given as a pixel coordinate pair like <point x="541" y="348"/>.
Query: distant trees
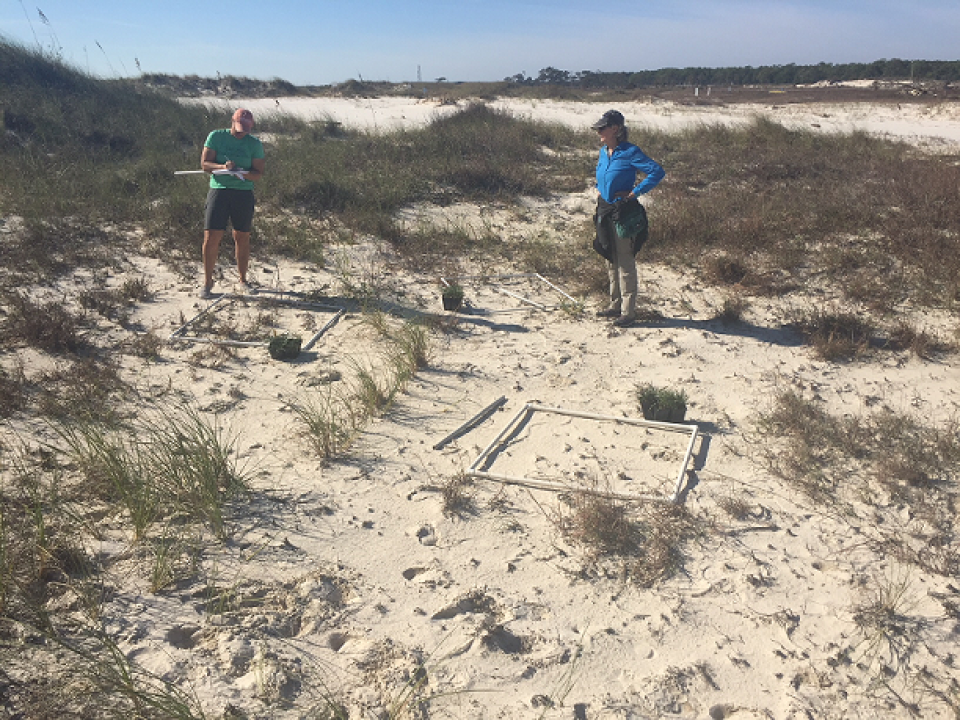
<point x="791" y="74"/>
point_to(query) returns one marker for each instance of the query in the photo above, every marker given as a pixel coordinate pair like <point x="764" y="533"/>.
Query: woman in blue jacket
<point x="617" y="205"/>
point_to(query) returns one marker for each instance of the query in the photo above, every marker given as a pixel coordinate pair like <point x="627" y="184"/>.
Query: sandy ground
<point x="348" y="576"/>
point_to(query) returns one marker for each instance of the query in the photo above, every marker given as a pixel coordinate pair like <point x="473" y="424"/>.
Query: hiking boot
<point x="608" y="313"/>
<point x="624" y="321"/>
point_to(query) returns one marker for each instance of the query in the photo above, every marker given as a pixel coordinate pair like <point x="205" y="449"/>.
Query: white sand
<point x="354" y="575"/>
<point x="934" y="124"/>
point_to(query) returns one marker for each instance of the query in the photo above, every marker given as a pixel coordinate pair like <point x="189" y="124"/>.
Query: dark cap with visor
<point x="610" y="117"/>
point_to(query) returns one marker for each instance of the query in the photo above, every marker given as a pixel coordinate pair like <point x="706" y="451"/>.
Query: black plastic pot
<point x="670" y="415"/>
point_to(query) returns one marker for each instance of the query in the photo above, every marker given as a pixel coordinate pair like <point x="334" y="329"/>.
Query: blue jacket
<point x="618" y="172"/>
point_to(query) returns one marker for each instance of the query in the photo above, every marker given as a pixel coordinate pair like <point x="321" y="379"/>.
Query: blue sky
<point x="324" y="42"/>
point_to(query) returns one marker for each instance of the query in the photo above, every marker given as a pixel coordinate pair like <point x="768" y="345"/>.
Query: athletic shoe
<point x="624" y="321"/>
<point x="609" y="312"/>
<point x="206" y="293"/>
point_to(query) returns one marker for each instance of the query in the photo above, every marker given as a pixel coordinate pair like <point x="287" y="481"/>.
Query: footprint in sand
<point x="411" y="573"/>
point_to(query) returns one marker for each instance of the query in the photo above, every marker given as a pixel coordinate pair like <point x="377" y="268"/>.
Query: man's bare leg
<point x="211" y="250"/>
<point x="242" y="241"/>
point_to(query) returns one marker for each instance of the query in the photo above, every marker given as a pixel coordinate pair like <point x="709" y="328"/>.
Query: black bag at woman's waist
<point x="629" y="218"/>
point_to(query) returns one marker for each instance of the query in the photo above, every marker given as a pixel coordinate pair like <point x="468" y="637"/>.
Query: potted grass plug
<point x="452" y="296"/>
<point x="662" y="404"/>
<point x="284" y="347"/>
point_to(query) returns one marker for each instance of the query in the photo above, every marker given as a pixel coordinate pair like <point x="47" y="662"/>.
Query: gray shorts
<point x="228" y="204"/>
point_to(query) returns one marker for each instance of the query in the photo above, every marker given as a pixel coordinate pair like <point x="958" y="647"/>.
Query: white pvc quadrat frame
<point x="527" y="410"/>
<point x="180" y="333"/>
<point x="537" y="276"/>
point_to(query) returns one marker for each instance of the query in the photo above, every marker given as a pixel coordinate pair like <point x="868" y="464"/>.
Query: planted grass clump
<point x="452" y="296"/>
<point x="333" y="417"/>
<point x="662" y="404"/>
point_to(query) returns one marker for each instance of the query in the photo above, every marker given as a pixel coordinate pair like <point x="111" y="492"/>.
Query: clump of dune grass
<point x="888" y="629"/>
<point x="165" y="462"/>
<point x="836" y="335"/>
<point x="328" y="421"/>
<point x="917" y="341"/>
<point x="733" y="309"/>
<point x="46" y="325"/>
<point x="80" y="387"/>
<point x="408" y="344"/>
<point x="637" y="540"/>
<point x="458" y="496"/>
<point x="13" y="394"/>
<point x="373" y="387"/>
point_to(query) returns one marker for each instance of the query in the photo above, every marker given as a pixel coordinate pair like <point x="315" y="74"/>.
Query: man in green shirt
<point x="235" y="160"/>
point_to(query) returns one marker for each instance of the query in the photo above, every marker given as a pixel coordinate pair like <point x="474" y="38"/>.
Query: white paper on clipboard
<point x="242" y="174"/>
<point x="236" y="173"/>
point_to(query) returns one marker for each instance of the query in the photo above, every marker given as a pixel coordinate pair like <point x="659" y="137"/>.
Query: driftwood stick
<point x="472" y="422"/>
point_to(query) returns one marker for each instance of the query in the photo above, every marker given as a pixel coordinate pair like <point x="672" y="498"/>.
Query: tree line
<point x="917" y="70"/>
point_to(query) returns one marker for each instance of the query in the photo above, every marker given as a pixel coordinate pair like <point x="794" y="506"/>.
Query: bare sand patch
<point x="935" y="124"/>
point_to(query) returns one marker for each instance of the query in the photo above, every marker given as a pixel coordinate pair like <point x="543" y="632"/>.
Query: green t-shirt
<point x="242" y="151"/>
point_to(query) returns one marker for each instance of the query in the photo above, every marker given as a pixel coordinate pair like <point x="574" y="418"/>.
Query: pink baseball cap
<point x="243" y="118"/>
